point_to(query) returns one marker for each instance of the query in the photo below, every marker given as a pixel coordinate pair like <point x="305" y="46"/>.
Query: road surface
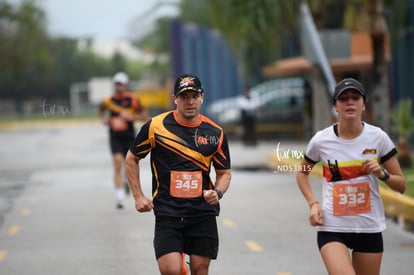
<point x="58" y="215"/>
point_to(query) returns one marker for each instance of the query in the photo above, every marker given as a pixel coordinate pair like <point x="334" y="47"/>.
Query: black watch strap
<point x="386" y="175"/>
<point x="219" y="193"/>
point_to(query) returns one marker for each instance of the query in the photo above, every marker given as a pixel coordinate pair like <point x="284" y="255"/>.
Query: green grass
<point x="409" y="178"/>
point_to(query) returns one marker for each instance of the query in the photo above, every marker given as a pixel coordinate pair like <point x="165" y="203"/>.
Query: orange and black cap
<point x="187" y="82"/>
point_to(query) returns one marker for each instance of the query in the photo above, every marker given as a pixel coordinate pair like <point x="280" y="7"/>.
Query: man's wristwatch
<point x="219" y="193"/>
<point x="386" y="175"/>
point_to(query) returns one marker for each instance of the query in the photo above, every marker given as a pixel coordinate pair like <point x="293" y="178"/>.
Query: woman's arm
<point x="302" y="178"/>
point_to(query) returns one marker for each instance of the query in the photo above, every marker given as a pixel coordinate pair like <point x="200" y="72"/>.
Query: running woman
<point x="354" y="155"/>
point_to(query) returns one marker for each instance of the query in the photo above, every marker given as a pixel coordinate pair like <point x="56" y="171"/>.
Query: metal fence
<point x="205" y="53"/>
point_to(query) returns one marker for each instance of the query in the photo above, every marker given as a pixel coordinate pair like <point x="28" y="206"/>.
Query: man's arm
<point x="223" y="178"/>
<point x="102" y="112"/>
<point x="142" y="203"/>
<point x="142" y="115"/>
<point x="136" y="113"/>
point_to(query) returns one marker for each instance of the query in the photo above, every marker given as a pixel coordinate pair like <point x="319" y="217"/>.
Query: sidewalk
<point x="264" y="156"/>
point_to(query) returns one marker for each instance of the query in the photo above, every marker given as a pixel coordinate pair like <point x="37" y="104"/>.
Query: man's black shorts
<point x="193" y="236"/>
<point x="358" y="242"/>
<point x="120" y="144"/>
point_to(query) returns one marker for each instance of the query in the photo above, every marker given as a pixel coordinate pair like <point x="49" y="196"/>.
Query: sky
<point x="102" y="20"/>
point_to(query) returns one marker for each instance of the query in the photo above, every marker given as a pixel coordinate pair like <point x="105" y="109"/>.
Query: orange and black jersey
<point x="181" y="158"/>
<point x="117" y="103"/>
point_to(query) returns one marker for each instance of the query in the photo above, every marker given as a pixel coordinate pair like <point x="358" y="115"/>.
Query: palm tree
<point x="254" y="29"/>
<point x="404" y="125"/>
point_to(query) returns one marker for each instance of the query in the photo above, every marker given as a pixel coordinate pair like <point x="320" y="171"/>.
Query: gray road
<point x="58" y="216"/>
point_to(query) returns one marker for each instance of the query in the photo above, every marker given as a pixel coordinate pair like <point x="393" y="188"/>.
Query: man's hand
<point x="126" y="115"/>
<point x="211" y="197"/>
<point x="143" y="205"/>
<point x="105" y="120"/>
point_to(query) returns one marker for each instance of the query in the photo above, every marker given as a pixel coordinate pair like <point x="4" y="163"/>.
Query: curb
<point x="15" y="125"/>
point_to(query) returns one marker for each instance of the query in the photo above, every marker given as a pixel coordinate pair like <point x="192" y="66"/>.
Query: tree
<point x="24" y="46"/>
<point x="379" y="74"/>
<point x="404" y="125"/>
<point x="256" y="30"/>
<point x="35" y="66"/>
<point x="118" y="62"/>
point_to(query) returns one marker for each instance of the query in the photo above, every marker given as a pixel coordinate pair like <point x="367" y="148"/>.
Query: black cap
<point x="187" y="82"/>
<point x="348" y="84"/>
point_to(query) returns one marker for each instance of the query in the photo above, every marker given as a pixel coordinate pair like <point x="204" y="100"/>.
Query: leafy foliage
<point x="404" y="125"/>
<point x="35" y="65"/>
<point x="23" y="50"/>
<point x="260" y="32"/>
<point x="402" y="117"/>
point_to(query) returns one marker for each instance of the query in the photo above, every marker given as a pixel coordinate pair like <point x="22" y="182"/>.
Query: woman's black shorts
<point x="193" y="236"/>
<point x="358" y="242"/>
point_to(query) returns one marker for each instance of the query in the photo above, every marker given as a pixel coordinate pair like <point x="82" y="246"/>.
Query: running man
<point x="123" y="108"/>
<point x="184" y="145"/>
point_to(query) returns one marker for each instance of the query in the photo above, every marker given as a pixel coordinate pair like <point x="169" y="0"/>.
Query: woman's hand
<point x="315" y="215"/>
